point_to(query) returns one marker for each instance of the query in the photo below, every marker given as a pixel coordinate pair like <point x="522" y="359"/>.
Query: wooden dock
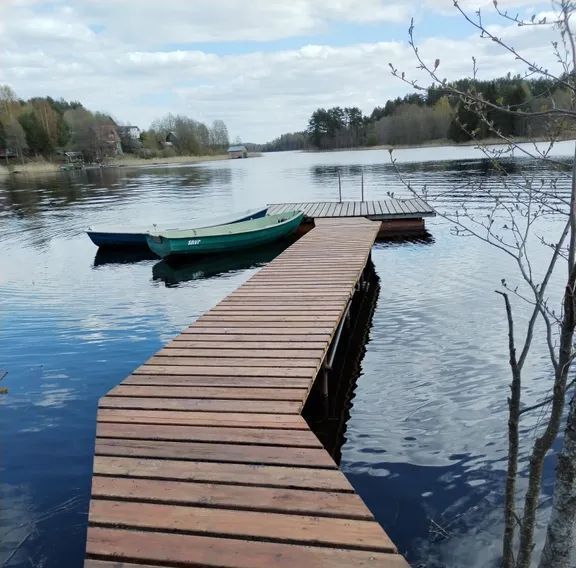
<point x="202" y="457"/>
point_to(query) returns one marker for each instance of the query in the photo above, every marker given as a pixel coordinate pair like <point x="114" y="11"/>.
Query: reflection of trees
<point x="31" y="195"/>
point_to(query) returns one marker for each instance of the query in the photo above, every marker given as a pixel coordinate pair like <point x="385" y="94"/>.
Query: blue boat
<point x="136" y="237"/>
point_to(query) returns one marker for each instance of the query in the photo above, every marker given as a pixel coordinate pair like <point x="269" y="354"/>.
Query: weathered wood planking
<point x="380" y="210"/>
<point x="202" y="457"/>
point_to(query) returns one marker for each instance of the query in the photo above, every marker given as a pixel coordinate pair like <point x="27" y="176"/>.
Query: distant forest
<point x="43" y="126"/>
<point x="435" y="116"/>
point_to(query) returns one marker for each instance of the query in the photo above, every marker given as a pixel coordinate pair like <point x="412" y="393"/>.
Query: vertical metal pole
<point x="362" y="186"/>
<point x="339" y="188"/>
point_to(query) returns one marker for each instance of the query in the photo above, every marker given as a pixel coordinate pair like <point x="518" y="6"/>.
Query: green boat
<point x="224" y="238"/>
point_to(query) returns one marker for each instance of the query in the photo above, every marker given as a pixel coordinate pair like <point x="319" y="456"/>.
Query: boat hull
<point x="106" y="239"/>
<point x="122" y="239"/>
<point x="171" y="248"/>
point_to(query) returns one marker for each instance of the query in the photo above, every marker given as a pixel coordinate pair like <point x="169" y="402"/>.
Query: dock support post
<point x="339" y="188"/>
<point x="362" y="184"/>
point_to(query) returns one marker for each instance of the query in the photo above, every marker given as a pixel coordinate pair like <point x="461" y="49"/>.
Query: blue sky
<point x="260" y="66"/>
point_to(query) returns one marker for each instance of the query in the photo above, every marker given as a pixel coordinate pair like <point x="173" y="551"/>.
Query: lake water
<point x="426" y="441"/>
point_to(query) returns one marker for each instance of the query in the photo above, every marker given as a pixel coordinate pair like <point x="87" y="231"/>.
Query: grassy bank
<point x="43" y="166"/>
<point x="134" y="162"/>
<point x="32" y="167"/>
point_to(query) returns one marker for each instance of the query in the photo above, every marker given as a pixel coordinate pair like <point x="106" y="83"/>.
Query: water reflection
<point x="425" y="437"/>
<point x="122" y="256"/>
<point x="173" y="274"/>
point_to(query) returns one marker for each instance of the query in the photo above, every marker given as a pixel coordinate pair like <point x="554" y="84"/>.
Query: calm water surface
<point x="426" y="441"/>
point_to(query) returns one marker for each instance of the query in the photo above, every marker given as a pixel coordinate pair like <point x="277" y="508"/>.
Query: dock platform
<point x="397" y="217"/>
<point x="202" y="457"/>
<point x="380" y="210"/>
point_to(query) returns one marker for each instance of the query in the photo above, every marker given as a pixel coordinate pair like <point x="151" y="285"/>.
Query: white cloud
<point x="136" y="68"/>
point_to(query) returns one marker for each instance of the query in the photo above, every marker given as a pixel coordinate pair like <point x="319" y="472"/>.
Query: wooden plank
<point x="385" y="207"/>
<point x="401" y="205"/>
<point x="314" y="207"/>
<point x="215" y="452"/>
<point x="201" y="405"/>
<point x="226" y="350"/>
<point x="404" y="206"/>
<point x="300" y="207"/>
<point x="227" y="343"/>
<point x="209" y="392"/>
<point x="203" y="418"/>
<point x="224" y="371"/>
<point x="254" y="436"/>
<point x="331" y="209"/>
<point x="229" y="473"/>
<point x="323" y="209"/>
<point x="302" y="316"/>
<point x="211" y="381"/>
<point x="270" y="499"/>
<point x="308" y="209"/>
<point x="195" y="550"/>
<point x="357" y="534"/>
<point x="243" y="332"/>
<point x="261" y="310"/>
<point x="184" y="357"/>
<point x="337" y="210"/>
<point x="273" y="209"/>
<point x="204" y="334"/>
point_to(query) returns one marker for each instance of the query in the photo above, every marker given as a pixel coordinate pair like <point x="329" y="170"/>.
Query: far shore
<point x="443" y="142"/>
<point x="44" y="166"/>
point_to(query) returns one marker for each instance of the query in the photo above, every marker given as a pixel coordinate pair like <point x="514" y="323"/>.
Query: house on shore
<point x="132" y="132"/>
<point x="237" y="152"/>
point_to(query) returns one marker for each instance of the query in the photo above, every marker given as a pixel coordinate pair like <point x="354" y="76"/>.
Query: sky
<point x="262" y="66"/>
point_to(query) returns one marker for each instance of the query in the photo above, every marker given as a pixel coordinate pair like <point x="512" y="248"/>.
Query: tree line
<point x="436" y="115"/>
<point x="43" y="126"/>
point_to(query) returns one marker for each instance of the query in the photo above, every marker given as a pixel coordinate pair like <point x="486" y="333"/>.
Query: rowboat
<point x="136" y="236"/>
<point x="224" y="238"/>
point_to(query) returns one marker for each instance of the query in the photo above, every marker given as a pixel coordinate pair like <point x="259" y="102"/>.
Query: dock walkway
<point x="202" y="457"/>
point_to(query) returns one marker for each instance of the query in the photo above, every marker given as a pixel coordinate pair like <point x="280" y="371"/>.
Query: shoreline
<point x="44" y="167"/>
<point x="445" y="143"/>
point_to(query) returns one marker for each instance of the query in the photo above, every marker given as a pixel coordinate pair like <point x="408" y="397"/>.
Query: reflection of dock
<point x="398" y="217"/>
<point x="202" y="457"/>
